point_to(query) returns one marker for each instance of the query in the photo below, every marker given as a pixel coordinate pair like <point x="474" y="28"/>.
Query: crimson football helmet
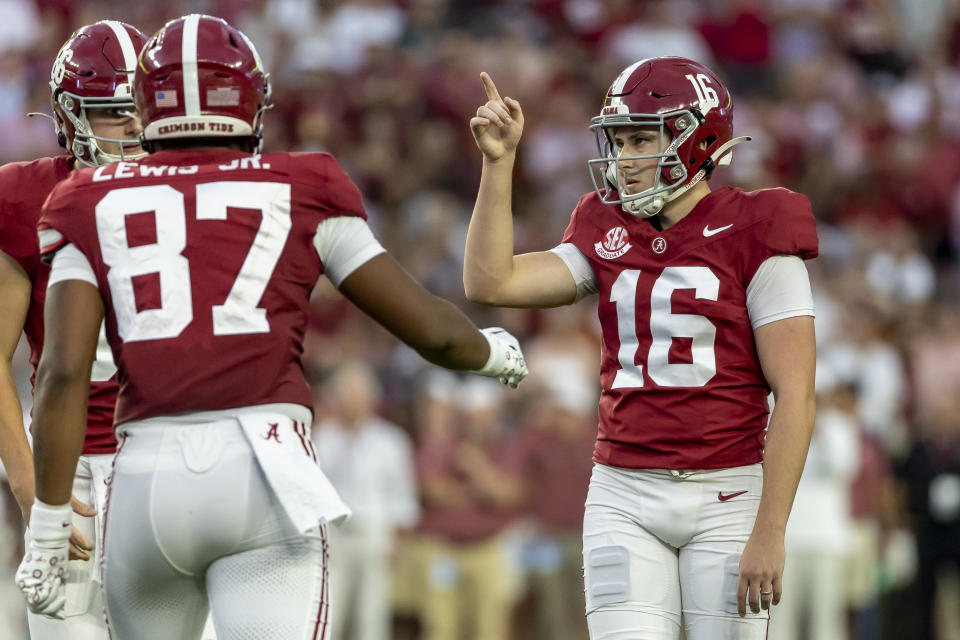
<point x="200" y="77"/>
<point x="94" y="70"/>
<point x="680" y="97"/>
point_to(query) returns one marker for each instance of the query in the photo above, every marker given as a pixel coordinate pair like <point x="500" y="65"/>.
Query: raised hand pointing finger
<point x="498" y="123"/>
<point x="490" y="87"/>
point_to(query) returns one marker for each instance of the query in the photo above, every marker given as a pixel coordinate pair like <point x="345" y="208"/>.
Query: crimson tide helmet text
<point x="200" y="77"/>
<point x="689" y="105"/>
<point x="94" y="70"/>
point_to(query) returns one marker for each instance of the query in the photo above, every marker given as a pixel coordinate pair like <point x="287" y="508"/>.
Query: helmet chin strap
<point x="645" y="207"/>
<point x="106" y="158"/>
<point x="652" y="205"/>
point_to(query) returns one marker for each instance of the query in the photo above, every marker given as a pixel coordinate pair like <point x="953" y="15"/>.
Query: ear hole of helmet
<point x="707" y="165"/>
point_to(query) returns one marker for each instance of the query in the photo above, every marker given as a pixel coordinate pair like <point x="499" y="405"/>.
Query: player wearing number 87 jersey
<point x="705" y="307"/>
<point x="202" y="257"/>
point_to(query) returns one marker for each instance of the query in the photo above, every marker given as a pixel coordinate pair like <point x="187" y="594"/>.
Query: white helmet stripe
<point x="253" y="49"/>
<point x="126" y="46"/>
<point x="191" y="82"/>
<point x="621" y="80"/>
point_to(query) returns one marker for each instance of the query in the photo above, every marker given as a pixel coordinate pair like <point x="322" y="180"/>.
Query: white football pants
<point x="84" y="609"/>
<point x="659" y="544"/>
<point x="192" y="524"/>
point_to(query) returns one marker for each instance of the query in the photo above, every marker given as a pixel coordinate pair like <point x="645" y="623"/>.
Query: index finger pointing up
<point x="489" y="87"/>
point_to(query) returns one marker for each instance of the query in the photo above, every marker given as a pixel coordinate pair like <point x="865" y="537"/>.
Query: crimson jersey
<point x="682" y="383"/>
<point x="23" y="188"/>
<point x="205" y="261"/>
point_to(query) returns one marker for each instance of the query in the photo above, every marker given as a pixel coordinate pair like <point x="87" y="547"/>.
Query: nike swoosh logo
<point x="724" y="498"/>
<point x="707" y="231"/>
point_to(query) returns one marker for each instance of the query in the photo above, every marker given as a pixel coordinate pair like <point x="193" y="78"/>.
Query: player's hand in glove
<point x="42" y="575"/>
<point x="506" y="360"/>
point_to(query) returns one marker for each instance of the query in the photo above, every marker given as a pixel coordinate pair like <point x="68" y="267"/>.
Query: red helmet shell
<point x="98" y="60"/>
<point x="200" y="77"/>
<point x="658" y="86"/>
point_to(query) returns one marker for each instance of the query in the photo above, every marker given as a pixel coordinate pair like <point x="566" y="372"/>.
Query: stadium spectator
<point x="471" y="479"/>
<point x="369" y="461"/>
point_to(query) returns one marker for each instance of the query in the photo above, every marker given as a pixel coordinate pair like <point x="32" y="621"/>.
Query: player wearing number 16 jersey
<point x="202" y="257"/>
<point x="705" y="307"/>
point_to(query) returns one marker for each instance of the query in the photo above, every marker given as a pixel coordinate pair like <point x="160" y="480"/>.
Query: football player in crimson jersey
<point x="201" y="257"/>
<point x="96" y="123"/>
<point x="705" y="307"/>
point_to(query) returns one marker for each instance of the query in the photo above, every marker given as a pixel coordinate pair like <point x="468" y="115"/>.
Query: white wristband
<point x="495" y="359"/>
<point x="50" y="523"/>
<point x="506" y="360"/>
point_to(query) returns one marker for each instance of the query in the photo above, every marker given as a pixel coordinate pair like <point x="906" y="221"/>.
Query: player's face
<point x="636" y="175"/>
<point x="119" y="123"/>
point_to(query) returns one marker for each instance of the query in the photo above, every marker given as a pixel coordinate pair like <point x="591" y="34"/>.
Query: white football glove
<point x="42" y="575"/>
<point x="506" y="360"/>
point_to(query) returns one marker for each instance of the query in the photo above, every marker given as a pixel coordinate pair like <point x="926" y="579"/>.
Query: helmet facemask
<point x="670" y="174"/>
<point x="257" y="146"/>
<point x="78" y="135"/>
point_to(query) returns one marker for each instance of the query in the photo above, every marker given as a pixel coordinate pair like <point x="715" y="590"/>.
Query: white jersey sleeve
<point x="779" y="289"/>
<point x="69" y="263"/>
<point x="344" y="243"/>
<point x="579" y="267"/>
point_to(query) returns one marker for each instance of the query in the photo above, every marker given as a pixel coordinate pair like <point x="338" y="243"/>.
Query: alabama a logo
<point x="614" y="244"/>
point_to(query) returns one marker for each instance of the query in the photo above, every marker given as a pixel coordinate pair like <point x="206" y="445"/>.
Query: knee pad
<point x="606" y="576"/>
<point x="624" y="606"/>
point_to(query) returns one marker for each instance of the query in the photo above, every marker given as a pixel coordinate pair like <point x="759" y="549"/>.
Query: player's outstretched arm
<point x="787" y="351"/>
<point x="432" y="326"/>
<point x="491" y="273"/>
<point x="15" y="453"/>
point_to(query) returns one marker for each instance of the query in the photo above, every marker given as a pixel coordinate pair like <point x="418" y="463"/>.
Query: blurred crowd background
<point x="467" y="497"/>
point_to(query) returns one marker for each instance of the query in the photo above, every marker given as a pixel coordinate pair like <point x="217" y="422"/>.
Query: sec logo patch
<point x="614" y="244"/>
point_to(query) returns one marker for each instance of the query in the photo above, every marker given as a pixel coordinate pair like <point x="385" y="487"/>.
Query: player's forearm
<point x="59" y="425"/>
<point x="453" y="341"/>
<point x="14" y="446"/>
<point x="488" y="258"/>
<point x="15" y="294"/>
<point x="785" y="452"/>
